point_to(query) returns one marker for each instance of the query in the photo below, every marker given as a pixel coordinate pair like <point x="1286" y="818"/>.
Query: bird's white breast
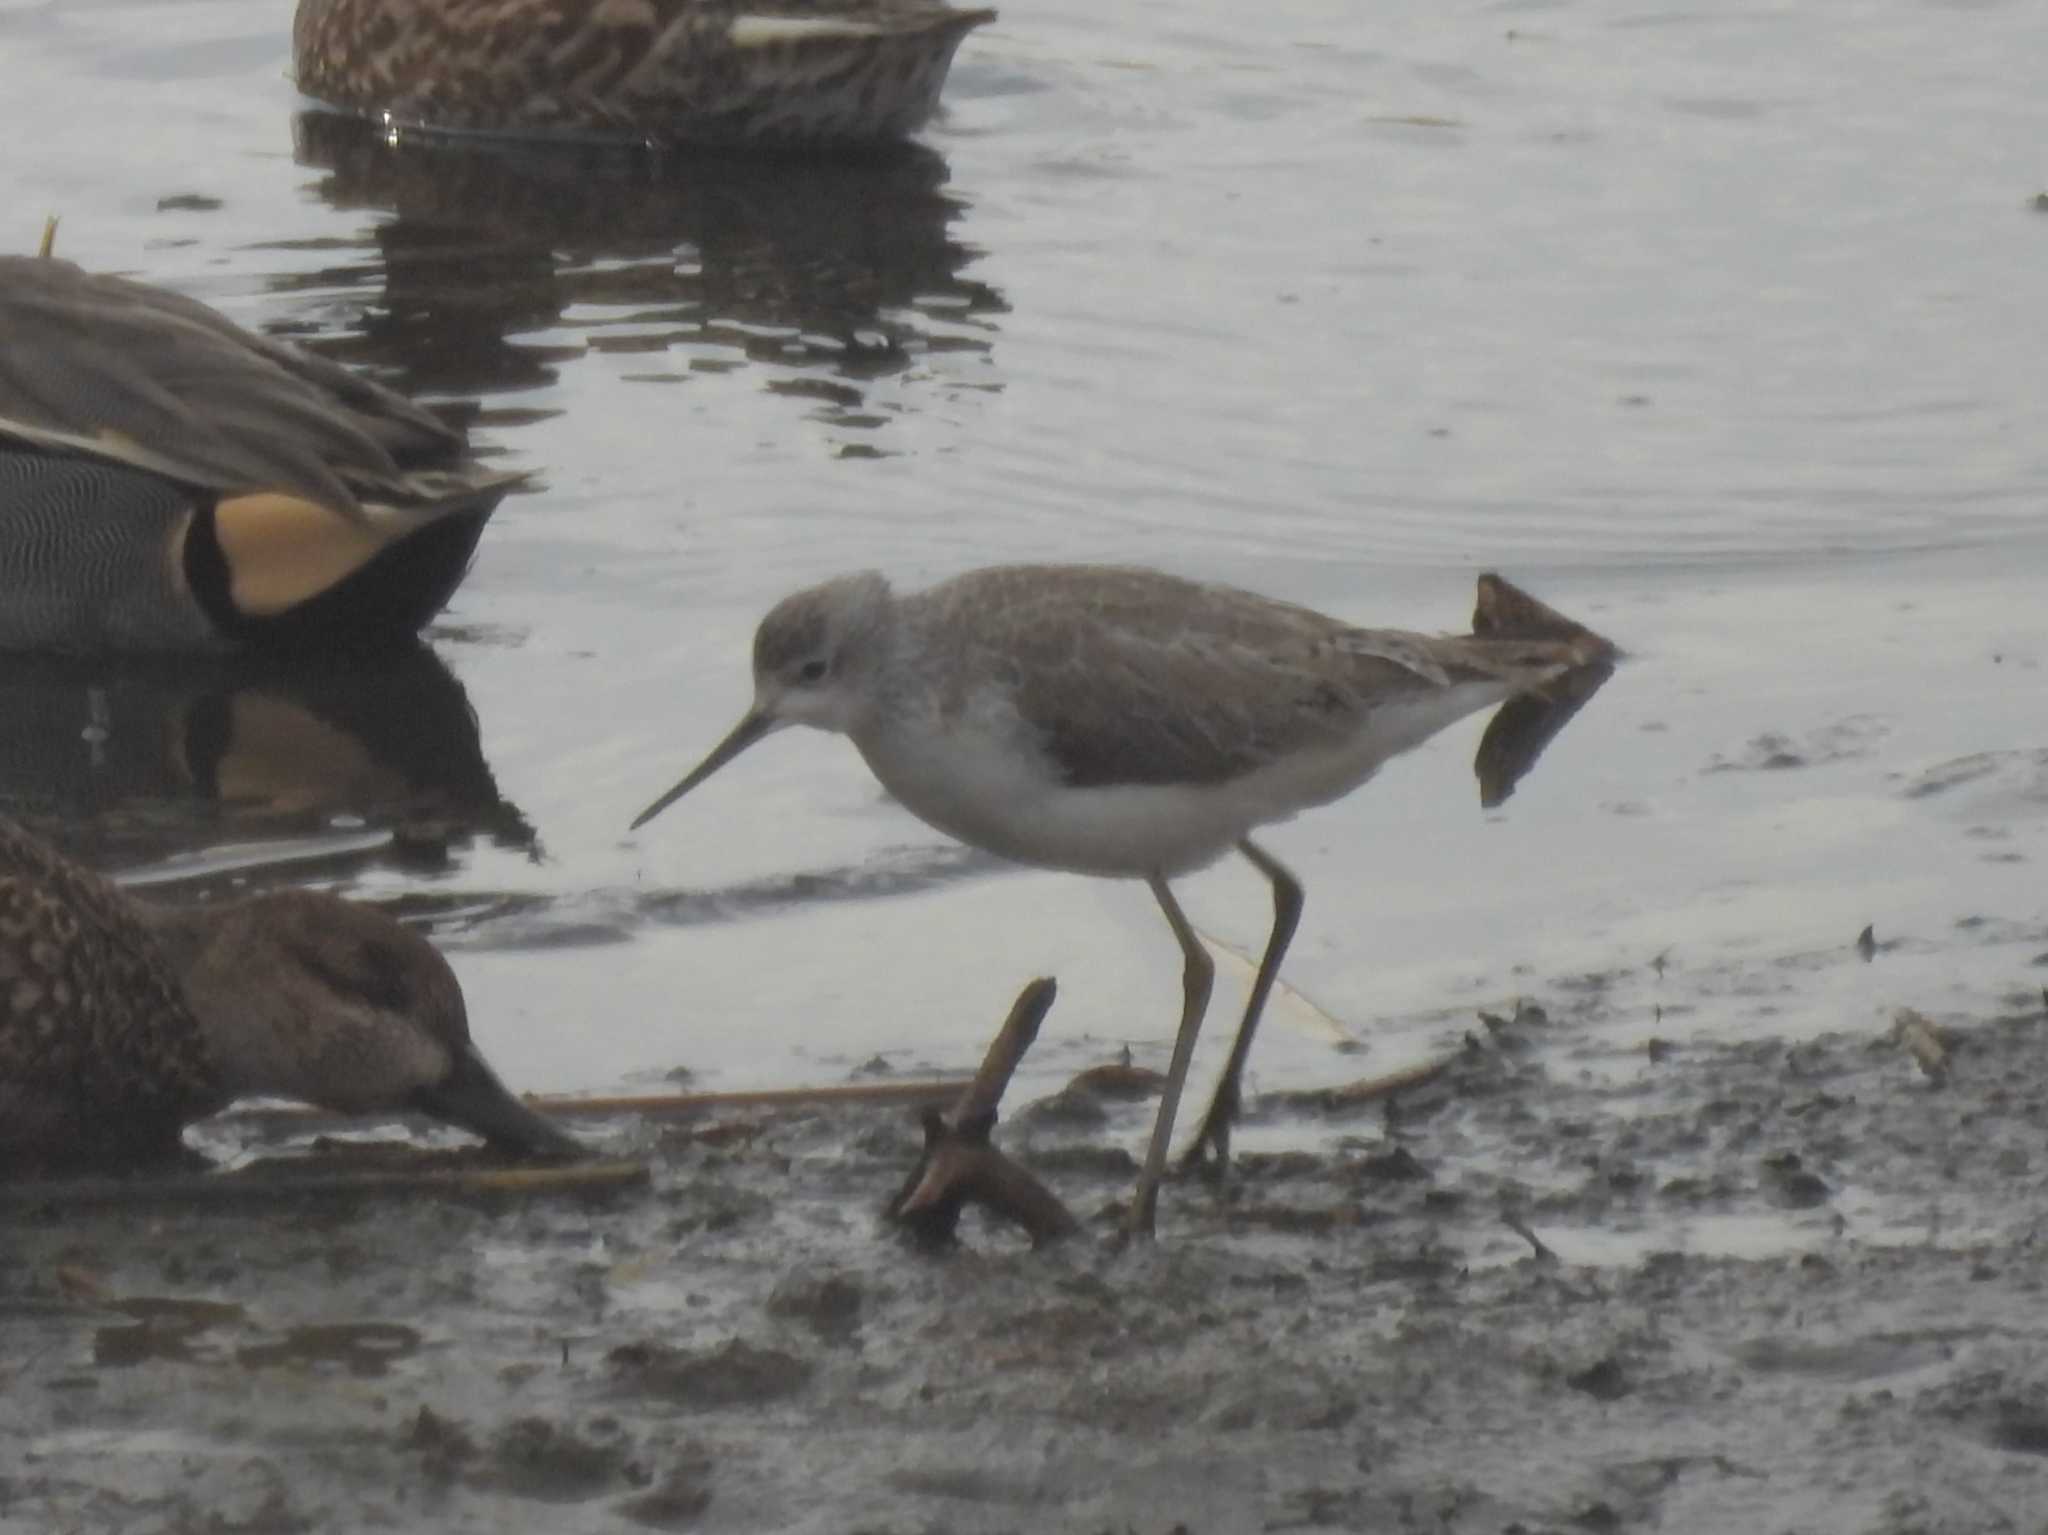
<point x="981" y="776"/>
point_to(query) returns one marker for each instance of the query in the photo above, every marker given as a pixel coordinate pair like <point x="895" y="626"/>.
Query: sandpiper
<point x="1132" y="724"/>
<point x="123" y="1020"/>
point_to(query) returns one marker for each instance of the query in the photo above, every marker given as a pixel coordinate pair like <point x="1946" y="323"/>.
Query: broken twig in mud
<point x="294" y="1117"/>
<point x="959" y="1164"/>
<point x="1118" y="1079"/>
<point x="251" y="1189"/>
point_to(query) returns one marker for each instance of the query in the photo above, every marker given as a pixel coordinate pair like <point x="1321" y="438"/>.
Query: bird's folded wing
<point x="1203" y="704"/>
<point x="157" y="381"/>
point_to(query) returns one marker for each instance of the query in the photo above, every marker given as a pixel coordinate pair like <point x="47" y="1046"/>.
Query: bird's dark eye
<point x="811" y="670"/>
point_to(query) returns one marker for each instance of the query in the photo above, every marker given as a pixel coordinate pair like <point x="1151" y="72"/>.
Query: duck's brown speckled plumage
<point x="121" y="1020"/>
<point x="101" y="1059"/>
<point x="170" y="481"/>
<point x="773" y="73"/>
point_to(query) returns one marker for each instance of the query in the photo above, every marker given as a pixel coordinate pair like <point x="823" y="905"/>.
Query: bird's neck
<point x="887" y="656"/>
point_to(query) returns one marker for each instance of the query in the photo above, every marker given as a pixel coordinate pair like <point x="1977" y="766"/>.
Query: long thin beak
<point x="744" y="734"/>
<point x="472" y="1097"/>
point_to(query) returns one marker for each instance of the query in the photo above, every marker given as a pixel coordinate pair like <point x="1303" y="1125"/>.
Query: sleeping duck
<point x="172" y="482"/>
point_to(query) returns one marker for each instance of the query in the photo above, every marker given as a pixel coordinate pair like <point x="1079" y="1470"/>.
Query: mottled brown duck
<point x="122" y="1020"/>
<point x="769" y="73"/>
<point x="172" y="482"/>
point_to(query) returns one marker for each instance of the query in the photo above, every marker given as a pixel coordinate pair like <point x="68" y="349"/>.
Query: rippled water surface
<point x="1720" y="327"/>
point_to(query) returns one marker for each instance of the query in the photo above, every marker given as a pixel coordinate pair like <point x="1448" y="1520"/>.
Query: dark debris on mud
<point x="1752" y="1286"/>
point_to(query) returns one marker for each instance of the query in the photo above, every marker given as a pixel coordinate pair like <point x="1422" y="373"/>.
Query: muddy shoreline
<point x="1777" y="1287"/>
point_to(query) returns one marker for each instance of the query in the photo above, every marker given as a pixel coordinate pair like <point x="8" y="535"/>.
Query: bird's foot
<point x="1140" y="1225"/>
<point x="1208" y="1155"/>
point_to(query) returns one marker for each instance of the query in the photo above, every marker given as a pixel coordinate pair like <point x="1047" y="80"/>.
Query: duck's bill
<point x="472" y="1098"/>
<point x="749" y="730"/>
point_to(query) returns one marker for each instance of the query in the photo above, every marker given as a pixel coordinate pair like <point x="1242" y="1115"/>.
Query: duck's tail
<point x="102" y="547"/>
<point x="280" y="574"/>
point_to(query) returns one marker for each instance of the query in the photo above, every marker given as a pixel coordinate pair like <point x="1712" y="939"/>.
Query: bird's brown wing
<point x="1136" y="677"/>
<point x="578" y="66"/>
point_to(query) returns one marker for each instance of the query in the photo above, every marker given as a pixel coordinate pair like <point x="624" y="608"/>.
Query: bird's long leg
<point x="1198" y="973"/>
<point x="1210" y="1150"/>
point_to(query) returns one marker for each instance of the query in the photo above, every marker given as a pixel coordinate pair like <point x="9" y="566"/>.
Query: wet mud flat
<point x="1758" y="1286"/>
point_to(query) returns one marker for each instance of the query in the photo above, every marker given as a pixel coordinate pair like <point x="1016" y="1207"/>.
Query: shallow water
<point x="1719" y="328"/>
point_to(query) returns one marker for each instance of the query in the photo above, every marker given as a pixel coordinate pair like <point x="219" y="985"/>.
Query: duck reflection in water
<point x="130" y="761"/>
<point x="839" y="269"/>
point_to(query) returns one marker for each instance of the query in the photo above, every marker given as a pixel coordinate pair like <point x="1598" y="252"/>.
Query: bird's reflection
<point x="126" y="762"/>
<point x="503" y="259"/>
